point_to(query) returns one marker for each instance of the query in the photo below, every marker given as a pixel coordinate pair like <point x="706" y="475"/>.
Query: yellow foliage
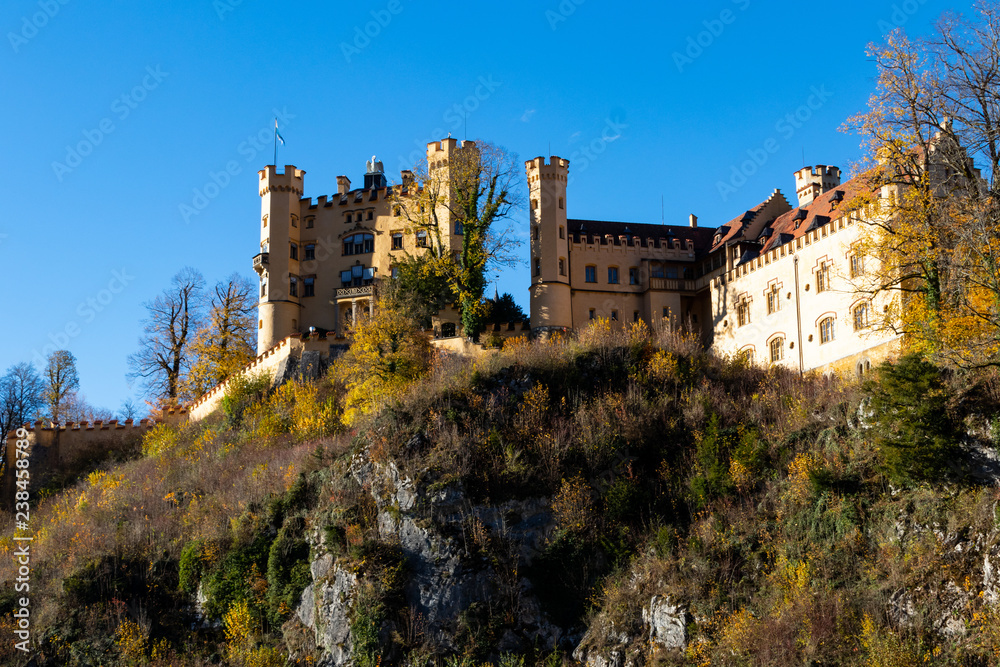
<point x="800" y="486"/>
<point x="884" y="647"/>
<point x="662" y="366"/>
<point x="131" y="641"/>
<point x="737" y="630"/>
<point x="159" y="440"/>
<point x="573" y="506"/>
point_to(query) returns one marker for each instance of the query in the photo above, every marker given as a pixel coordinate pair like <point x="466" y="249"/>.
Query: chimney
<point x="343" y="185"/>
<point x="693" y="220"/>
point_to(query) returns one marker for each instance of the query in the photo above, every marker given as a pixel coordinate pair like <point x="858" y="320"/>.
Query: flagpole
<point x="276" y="144"/>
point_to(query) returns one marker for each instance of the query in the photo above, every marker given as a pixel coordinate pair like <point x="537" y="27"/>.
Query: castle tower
<point x="550" y="268"/>
<point x="280" y="252"/>
<point x="449" y="163"/>
<point x="811" y="182"/>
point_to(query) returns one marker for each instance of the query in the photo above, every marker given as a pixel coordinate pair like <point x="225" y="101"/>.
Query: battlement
<point x="97" y="425"/>
<point x="555" y="164"/>
<point x="448" y="146"/>
<point x="291" y="180"/>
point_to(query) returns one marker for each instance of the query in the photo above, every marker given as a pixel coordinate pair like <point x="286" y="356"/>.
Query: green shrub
<point x="191" y="566"/>
<point x="243" y="391"/>
<point x="711" y="478"/>
<point x="916" y="436"/>
<point x="287" y="569"/>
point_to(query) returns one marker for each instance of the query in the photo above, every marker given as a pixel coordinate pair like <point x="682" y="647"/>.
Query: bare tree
<point x="128" y="410"/>
<point x="61" y="380"/>
<point x="20" y="397"/>
<point x="228" y="339"/>
<point x="163" y="358"/>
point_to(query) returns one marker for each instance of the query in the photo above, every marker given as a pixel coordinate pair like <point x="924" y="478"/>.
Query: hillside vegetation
<point x="575" y="484"/>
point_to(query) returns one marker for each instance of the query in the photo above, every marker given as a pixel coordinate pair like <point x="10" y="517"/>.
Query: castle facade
<point x="775" y="285"/>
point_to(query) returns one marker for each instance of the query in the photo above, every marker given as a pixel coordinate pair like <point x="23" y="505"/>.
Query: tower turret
<point x="550" y="269"/>
<point x="811" y="182"/>
<point x="278" y="261"/>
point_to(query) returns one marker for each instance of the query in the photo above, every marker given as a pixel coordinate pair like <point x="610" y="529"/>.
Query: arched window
<point x="459" y="227"/>
<point x="826" y="330"/>
<point x="359" y="244"/>
<point x="860" y="316"/>
<point x="777" y="346"/>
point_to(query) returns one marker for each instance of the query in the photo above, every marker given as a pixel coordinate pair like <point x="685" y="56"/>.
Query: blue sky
<point x="122" y="118"/>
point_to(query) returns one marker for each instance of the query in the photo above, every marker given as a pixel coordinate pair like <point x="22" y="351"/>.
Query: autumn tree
<point x="21" y="397"/>
<point x="468" y="198"/>
<point x="61" y="382"/>
<point x="932" y="218"/>
<point x="388" y="351"/>
<point x="164" y="355"/>
<point x="227" y="339"/>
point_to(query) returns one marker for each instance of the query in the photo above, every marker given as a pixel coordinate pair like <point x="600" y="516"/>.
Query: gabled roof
<point x="750" y="224"/>
<point x="826" y="207"/>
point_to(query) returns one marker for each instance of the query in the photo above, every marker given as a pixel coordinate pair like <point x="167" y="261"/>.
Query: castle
<point x="775" y="284"/>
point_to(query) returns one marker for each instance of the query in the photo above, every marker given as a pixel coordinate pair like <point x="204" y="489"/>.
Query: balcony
<point x="669" y="284"/>
<point x="260" y="262"/>
<point x="353" y="292"/>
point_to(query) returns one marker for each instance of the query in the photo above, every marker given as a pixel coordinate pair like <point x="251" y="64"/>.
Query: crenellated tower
<point x="449" y="163"/>
<point x="550" y="270"/>
<point x="280" y="254"/>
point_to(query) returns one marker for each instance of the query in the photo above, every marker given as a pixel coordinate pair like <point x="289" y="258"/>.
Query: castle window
<point x="562" y="266"/>
<point x="823" y="278"/>
<point x="422" y="238"/>
<point x="357" y="276"/>
<point x="293" y="286"/>
<point x="614" y="315"/>
<point x="294" y="251"/>
<point x="593" y="314"/>
<point x="538" y="267"/>
<point x="394" y="272"/>
<point x="777" y="349"/>
<point x="459" y="227"/>
<point x="350" y="217"/>
<point x="561" y="203"/>
<point x="397" y="241"/>
<point x="359" y="244"/>
<point x="657" y="270"/>
<point x="309" y="287"/>
<point x="743" y="313"/>
<point x="857" y="265"/>
<point x="633" y="276"/>
<point x="562" y="232"/>
<point x="612" y="275"/>
<point x="264" y="220"/>
<point x="371" y="215"/>
<point x="263" y="289"/>
<point x="666" y="313"/>
<point x="773" y="300"/>
<point x="260" y="324"/>
<point x="534" y="232"/>
<point x="635" y="316"/>
<point x="860" y="316"/>
<point x="396" y="211"/>
<point x="310" y="252"/>
<point x="310" y="222"/>
<point x="295" y="221"/>
<point x="826" y="330"/>
<point x="591" y="274"/>
<point x="534" y="204"/>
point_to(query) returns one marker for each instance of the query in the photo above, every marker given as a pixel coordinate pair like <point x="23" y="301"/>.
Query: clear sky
<point x="118" y="115"/>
